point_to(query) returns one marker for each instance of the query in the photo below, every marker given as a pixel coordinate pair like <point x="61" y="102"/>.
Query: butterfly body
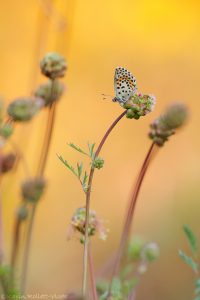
<point x="124" y="84"/>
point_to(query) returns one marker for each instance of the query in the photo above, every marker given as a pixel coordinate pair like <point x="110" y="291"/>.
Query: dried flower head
<point x="139" y="105"/>
<point x="8" y="162"/>
<point x="50" y="92"/>
<point x="53" y="65"/>
<point x="24" y="109"/>
<point x="95" y="225"/>
<point x="165" y="126"/>
<point x="33" y="189"/>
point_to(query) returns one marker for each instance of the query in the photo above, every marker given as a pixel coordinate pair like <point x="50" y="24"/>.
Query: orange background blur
<point x="159" y="42"/>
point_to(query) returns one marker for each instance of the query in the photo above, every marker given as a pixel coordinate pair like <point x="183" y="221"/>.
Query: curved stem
<point x="88" y="193"/>
<point x="130" y="213"/>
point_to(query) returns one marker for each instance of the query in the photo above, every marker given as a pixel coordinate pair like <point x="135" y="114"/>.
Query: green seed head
<point x="53" y="65"/>
<point x="33" y="189"/>
<point x="24" y="109"/>
<point x="48" y="93"/>
<point x="165" y="126"/>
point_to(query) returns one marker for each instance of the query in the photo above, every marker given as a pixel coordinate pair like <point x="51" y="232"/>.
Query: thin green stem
<point x="92" y="278"/>
<point x="130" y="213"/>
<point x="88" y="194"/>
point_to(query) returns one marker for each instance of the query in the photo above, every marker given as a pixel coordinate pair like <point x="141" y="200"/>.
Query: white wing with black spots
<point x="124" y="84"/>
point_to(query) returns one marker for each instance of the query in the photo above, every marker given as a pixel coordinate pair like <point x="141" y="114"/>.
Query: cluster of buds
<point x="139" y="105"/>
<point x="22" y="212"/>
<point x="95" y="225"/>
<point x="24" y="109"/>
<point x="165" y="126"/>
<point x="98" y="163"/>
<point x="33" y="189"/>
<point x="6" y="130"/>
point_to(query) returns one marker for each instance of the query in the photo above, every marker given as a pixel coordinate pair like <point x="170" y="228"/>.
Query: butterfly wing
<point x="124" y="84"/>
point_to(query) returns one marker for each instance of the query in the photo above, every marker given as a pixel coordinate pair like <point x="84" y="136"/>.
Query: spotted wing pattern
<point x="124" y="84"/>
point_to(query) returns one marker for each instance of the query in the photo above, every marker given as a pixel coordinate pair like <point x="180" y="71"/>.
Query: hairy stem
<point x="130" y="213"/>
<point x="40" y="173"/>
<point x="88" y="194"/>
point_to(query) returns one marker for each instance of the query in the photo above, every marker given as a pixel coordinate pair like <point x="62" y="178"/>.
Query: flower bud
<point x="139" y="105"/>
<point x="33" y="189"/>
<point x="53" y="65"/>
<point x="22" y="213"/>
<point x="163" y="127"/>
<point x="50" y="93"/>
<point x="6" y="130"/>
<point x="98" y="163"/>
<point x="8" y="162"/>
<point x="95" y="225"/>
<point x="150" y="252"/>
<point x="23" y="109"/>
<point x="135" y="247"/>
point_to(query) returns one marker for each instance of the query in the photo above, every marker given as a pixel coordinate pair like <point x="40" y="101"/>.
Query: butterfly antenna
<point x="105" y="96"/>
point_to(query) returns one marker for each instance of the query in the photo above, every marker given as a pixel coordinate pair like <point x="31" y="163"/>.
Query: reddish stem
<point x="130" y="213"/>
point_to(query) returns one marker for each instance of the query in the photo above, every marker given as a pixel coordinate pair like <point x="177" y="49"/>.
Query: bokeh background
<point x="159" y="42"/>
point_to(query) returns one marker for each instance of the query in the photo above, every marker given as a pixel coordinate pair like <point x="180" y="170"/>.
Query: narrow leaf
<point x="67" y="165"/>
<point x="192" y="240"/>
<point x="91" y="149"/>
<point x="188" y="260"/>
<point x="79" y="169"/>
<point x="77" y="148"/>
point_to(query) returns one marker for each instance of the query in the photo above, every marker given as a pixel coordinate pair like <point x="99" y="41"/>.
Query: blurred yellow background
<point x="159" y="42"/>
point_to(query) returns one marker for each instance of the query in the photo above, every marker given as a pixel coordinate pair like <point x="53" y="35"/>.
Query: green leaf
<point x="79" y="169"/>
<point x="197" y="298"/>
<point x="85" y="182"/>
<point x="197" y="285"/>
<point x="116" y="287"/>
<point x="67" y="165"/>
<point x="192" y="240"/>
<point x="77" y="148"/>
<point x="188" y="260"/>
<point x="129" y="285"/>
<point x="91" y="149"/>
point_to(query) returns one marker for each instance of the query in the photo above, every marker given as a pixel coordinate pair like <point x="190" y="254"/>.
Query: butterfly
<point x="124" y="85"/>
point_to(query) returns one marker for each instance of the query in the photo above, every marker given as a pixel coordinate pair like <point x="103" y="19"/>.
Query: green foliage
<point x="77" y="148"/>
<point x="188" y="260"/>
<point x="192" y="240"/>
<point x="91" y="149"/>
<point x="83" y="178"/>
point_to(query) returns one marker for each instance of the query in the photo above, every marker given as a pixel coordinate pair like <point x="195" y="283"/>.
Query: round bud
<point x="98" y="163"/>
<point x="33" y="189"/>
<point x="53" y="65"/>
<point x="23" y="109"/>
<point x="22" y="213"/>
<point x="135" y="247"/>
<point x="50" y="93"/>
<point x="6" y="130"/>
<point x="150" y="252"/>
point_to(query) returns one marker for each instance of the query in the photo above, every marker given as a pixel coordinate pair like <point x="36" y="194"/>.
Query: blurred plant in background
<point x="192" y="260"/>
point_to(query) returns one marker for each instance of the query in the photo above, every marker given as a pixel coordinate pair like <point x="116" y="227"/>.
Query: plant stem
<point x="92" y="278"/>
<point x="88" y="193"/>
<point x="39" y="173"/>
<point x="130" y="213"/>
